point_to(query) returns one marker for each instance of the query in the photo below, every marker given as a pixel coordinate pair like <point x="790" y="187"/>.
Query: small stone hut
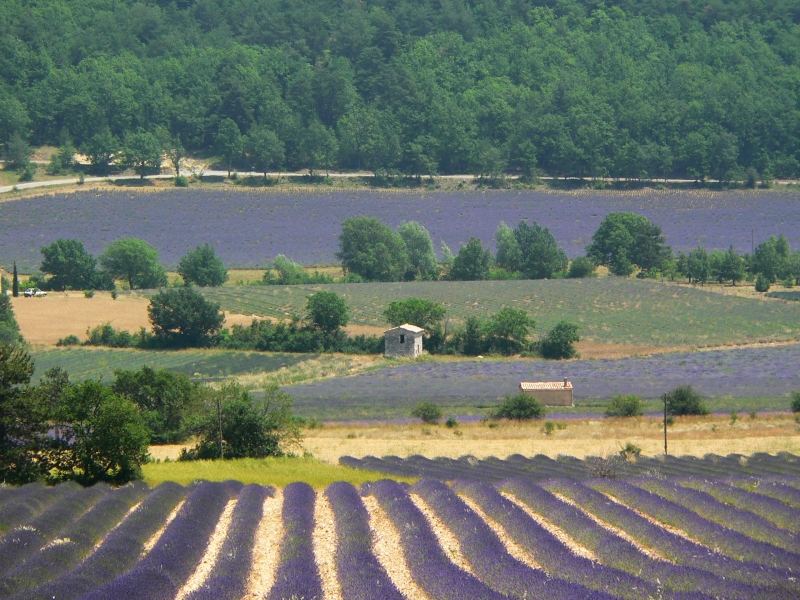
<point x="549" y="393"/>
<point x="404" y="341"/>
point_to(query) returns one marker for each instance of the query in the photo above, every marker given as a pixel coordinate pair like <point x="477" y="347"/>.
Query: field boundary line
<point x="210" y="556"/>
<point x="266" y="548"/>
<point x="388" y="549"/>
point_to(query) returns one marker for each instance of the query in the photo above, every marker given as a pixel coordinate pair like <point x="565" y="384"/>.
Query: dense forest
<point x="652" y="88"/>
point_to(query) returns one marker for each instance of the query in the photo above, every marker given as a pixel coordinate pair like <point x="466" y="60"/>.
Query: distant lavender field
<point x="250" y="228"/>
<point x="741" y="373"/>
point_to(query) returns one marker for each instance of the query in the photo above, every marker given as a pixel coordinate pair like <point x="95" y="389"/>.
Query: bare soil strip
<point x="324" y="539"/>
<point x="557" y="532"/>
<point x="266" y="551"/>
<point x="448" y="541"/>
<point x="514" y="549"/>
<point x="155" y="537"/>
<point x="100" y="542"/>
<point x="656" y="522"/>
<point x="388" y="549"/>
<point x="203" y="569"/>
<point x="649" y="552"/>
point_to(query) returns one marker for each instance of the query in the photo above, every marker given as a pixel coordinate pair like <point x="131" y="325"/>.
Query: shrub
<point x="427" y="412"/>
<point x="583" y="266"/>
<point x="520" y="407"/>
<point x="202" y="267"/>
<point x="762" y="283"/>
<point x="451" y="422"/>
<point x="549" y="427"/>
<point x="630" y="452"/>
<point x="181" y="181"/>
<point x="624" y="406"/>
<point x="70" y="340"/>
<point x="183" y="317"/>
<point x="559" y="342"/>
<point x="88" y="294"/>
<point x="683" y="400"/>
<point x="106" y="335"/>
<point x="795" y="405"/>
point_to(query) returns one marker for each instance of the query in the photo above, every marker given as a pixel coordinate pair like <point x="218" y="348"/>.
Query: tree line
<point x="697" y="89"/>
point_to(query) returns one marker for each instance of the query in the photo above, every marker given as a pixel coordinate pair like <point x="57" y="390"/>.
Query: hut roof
<point x="406" y="327"/>
<point x="530" y="386"/>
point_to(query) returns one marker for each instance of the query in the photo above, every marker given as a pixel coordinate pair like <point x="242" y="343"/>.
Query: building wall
<point x="552" y="397"/>
<point x="411" y="348"/>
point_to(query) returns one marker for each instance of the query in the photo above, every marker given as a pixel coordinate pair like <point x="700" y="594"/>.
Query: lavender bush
<point x="119" y="551"/>
<point x="164" y="569"/>
<point x="228" y="579"/>
<point x="430" y="568"/>
<point x="297" y="575"/>
<point x="360" y="574"/>
<point x="491" y="561"/>
<point x="29" y="501"/>
<point x="250" y="228"/>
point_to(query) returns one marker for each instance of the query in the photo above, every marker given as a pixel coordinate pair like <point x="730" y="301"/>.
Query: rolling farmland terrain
<point x="607" y="310"/>
<point x="694" y="531"/>
<point x="250" y="228"/>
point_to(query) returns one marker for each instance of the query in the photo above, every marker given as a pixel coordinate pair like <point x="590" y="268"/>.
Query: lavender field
<point x="707" y="536"/>
<point x="765" y="375"/>
<point x="249" y="228"/>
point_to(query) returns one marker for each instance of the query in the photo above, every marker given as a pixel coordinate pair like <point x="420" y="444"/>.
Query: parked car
<point x="34" y="293"/>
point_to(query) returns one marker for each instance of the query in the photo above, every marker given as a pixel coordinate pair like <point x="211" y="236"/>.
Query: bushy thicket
<point x="693" y="89"/>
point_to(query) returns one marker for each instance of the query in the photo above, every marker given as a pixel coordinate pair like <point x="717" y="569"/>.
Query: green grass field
<point x="100" y="363"/>
<point x="264" y="471"/>
<point x="608" y="309"/>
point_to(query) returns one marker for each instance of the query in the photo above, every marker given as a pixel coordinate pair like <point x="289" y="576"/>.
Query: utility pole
<point x="219" y="421"/>
<point x="665" y="425"/>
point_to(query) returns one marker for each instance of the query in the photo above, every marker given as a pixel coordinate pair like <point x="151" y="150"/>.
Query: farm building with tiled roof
<point x="549" y="393"/>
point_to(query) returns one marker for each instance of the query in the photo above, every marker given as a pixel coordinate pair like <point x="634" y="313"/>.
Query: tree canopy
<point x="202" y="267"/>
<point x="135" y="261"/>
<point x="698" y="88"/>
<point x="626" y="240"/>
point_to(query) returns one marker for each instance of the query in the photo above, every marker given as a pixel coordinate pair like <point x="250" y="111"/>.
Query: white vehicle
<point x="34" y="293"/>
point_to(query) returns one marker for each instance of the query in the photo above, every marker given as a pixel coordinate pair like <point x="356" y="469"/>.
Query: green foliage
<point x="684" y="400"/>
<point x="202" y="267"/>
<point x="630" y="452"/>
<point x="18" y="153"/>
<point x="370" y="249"/>
<point x="9" y="329"/>
<point x="520" y="407"/>
<point x="559" y="341"/>
<point x="451" y="423"/>
<point x="264" y="150"/>
<point x="698" y="266"/>
<point x="142" y="151"/>
<point x="105" y="335"/>
<point x="164" y="399"/>
<point x="471" y="339"/>
<point x="540" y="256"/>
<point x="422" y="263"/>
<point x="284" y="271"/>
<point x="624" y="406"/>
<point x="626" y="239"/>
<point x="69" y="265"/>
<point x="183" y="317"/>
<point x="548" y="428"/>
<point x="471" y="263"/>
<point x="249" y="427"/>
<point x="15" y="282"/>
<point x="19" y="425"/>
<point x="762" y="283"/>
<point x="101" y="148"/>
<point x="507" y="331"/>
<point x="327" y="311"/>
<point x="427" y="412"/>
<point x="63" y="160"/>
<point x="581" y="267"/>
<point x="771" y="259"/>
<point x="135" y="261"/>
<point x="228" y="142"/>
<point x="795" y="403"/>
<point x="422" y="313"/>
<point x="728" y="266"/>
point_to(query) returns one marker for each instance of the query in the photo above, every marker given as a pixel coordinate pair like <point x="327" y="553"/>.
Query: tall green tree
<point x="135" y="261"/>
<point x="18" y="424"/>
<point x="229" y="142"/>
<point x="101" y="149"/>
<point x="422" y="264"/>
<point x="264" y="149"/>
<point x="471" y="263"/>
<point x="327" y="311"/>
<point x="69" y="265"/>
<point x="626" y="239"/>
<point x="202" y="267"/>
<point x="508" y="330"/>
<point x="540" y="256"/>
<point x="182" y="317"/>
<point x="143" y="151"/>
<point x="372" y="250"/>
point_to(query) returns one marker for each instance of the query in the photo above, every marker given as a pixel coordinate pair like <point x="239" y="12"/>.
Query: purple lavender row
<point x="161" y="573"/>
<point x="744" y="521"/>
<point x="430" y="568"/>
<point x="774" y="511"/>
<point x="297" y="575"/>
<point x="78" y="540"/>
<point x="30" y="500"/>
<point x="491" y="561"/>
<point x="228" y="578"/>
<point x="619" y="557"/>
<point x="118" y="552"/>
<point x="715" y="573"/>
<point x="360" y="574"/>
<point x="20" y="543"/>
<point x="730" y="542"/>
<point x="779" y="489"/>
